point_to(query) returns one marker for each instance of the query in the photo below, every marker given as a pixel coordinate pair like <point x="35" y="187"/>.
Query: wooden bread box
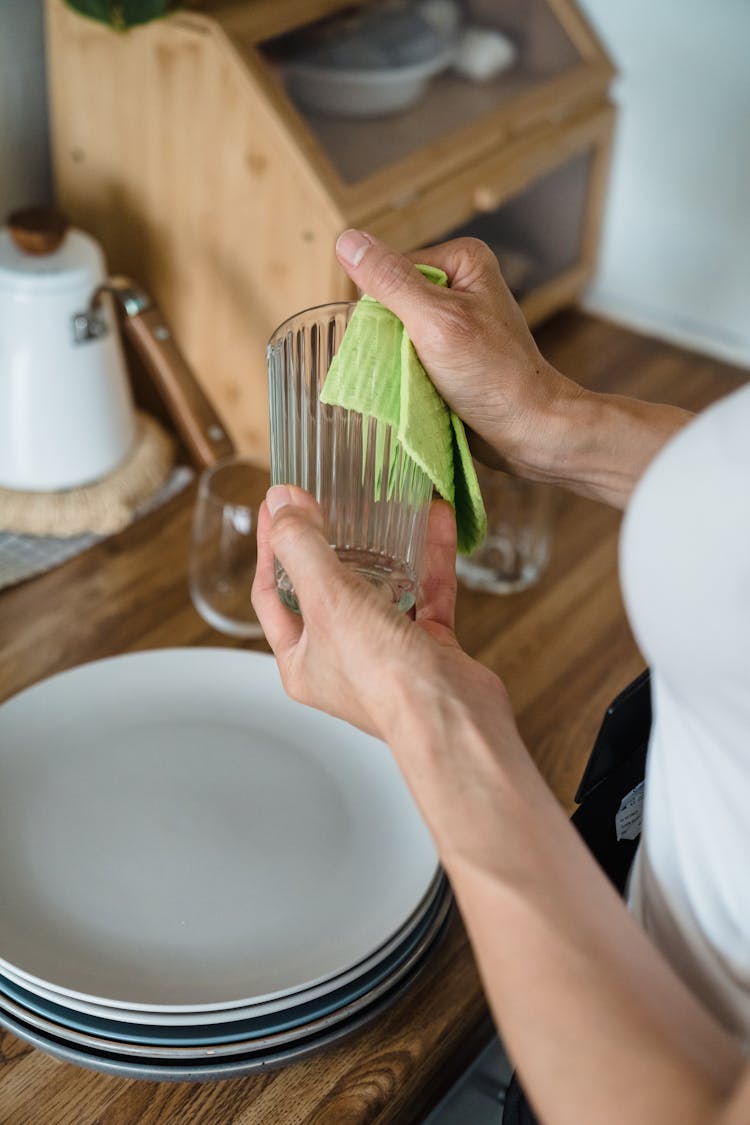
<point x="177" y="145"/>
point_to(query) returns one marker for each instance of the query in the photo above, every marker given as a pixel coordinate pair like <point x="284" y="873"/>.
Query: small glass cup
<point x="375" y="505"/>
<point x="516" y="549"/>
<point x="223" y="549"/>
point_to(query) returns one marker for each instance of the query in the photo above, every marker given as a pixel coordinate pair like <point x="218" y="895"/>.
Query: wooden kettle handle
<point x="195" y="418"/>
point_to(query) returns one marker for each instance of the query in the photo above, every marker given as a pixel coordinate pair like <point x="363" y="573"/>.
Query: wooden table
<point x="564" y="650"/>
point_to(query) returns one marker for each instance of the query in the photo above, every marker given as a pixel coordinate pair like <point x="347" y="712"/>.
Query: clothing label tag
<point x="630" y="814"/>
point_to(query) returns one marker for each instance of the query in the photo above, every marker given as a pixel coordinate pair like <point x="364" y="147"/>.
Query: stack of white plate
<point x="198" y="877"/>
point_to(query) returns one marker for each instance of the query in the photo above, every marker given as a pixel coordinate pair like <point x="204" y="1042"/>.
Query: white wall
<point x="675" y="258"/>
<point x="24" y="151"/>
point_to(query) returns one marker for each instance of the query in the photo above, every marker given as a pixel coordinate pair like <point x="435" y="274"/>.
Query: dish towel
<point x="377" y="372"/>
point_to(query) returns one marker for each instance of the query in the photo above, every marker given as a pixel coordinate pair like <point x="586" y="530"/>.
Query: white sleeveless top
<point x="685" y="567"/>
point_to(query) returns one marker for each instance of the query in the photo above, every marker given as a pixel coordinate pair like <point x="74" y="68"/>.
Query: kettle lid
<point x="39" y="253"/>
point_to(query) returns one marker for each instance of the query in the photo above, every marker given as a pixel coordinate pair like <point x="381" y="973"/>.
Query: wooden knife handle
<point x="194" y="417"/>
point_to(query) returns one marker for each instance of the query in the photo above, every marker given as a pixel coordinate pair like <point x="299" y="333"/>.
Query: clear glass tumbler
<point x="223" y="547"/>
<point x="516" y="549"/>
<point x="375" y="500"/>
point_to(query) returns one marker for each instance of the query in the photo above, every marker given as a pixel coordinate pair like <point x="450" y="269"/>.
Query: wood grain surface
<point x="564" y="649"/>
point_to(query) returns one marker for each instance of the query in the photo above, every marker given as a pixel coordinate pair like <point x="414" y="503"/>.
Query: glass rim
<point x="304" y="312"/>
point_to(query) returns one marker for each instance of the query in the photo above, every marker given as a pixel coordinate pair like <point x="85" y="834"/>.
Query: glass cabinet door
<point x="462" y="109"/>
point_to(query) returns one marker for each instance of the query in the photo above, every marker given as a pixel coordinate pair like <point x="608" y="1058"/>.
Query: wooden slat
<point x="550" y="101"/>
<point x="426" y="218"/>
<point x="256" y="20"/>
<point x="581" y="31"/>
<point x="555" y="294"/>
<point x="194" y="190"/>
<point x="597" y="197"/>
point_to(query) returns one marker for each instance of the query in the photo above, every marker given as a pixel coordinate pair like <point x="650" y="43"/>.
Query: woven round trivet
<point x="104" y="507"/>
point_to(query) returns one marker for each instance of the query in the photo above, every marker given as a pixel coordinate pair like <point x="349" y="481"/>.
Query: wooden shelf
<point x="260" y="20"/>
<point x="359" y="149"/>
<point x="178" y="146"/>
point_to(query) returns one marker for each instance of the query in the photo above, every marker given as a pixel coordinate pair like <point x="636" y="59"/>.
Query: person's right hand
<point x="471" y="338"/>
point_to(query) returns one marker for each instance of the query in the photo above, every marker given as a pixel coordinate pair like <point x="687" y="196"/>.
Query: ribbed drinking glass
<point x="375" y="499"/>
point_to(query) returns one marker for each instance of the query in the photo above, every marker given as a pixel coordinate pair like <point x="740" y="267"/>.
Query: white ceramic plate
<point x="269" y="1040"/>
<point x="177" y="835"/>
<point x="207" y="1069"/>
<point x="225" y="1019"/>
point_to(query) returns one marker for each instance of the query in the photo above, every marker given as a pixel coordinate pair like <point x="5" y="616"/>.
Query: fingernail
<point x="351" y="247"/>
<point x="278" y="496"/>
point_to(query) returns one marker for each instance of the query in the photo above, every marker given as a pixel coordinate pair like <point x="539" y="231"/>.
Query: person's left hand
<point x="446" y="717"/>
<point x="350" y="653"/>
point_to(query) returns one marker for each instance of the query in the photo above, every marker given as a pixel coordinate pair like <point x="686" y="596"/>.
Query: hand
<point x="344" y="651"/>
<point x="351" y="653"/>
<point x="471" y="338"/>
<point x="409" y="683"/>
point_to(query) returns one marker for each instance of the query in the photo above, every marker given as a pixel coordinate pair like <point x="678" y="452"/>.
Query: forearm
<point x="596" y="1021"/>
<point x="600" y="1027"/>
<point x="594" y="444"/>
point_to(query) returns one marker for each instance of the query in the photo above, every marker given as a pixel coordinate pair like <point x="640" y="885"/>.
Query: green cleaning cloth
<point x="376" y="372"/>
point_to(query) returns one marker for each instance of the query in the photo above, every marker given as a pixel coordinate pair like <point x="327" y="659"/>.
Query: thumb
<point x="297" y="539"/>
<point x="386" y="275"/>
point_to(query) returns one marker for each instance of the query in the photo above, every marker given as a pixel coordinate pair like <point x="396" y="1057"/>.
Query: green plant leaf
<point x="122" y="14"/>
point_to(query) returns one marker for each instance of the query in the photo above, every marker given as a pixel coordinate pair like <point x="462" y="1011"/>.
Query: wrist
<point x="592" y="443"/>
<point x="601" y="444"/>
<point x="455" y="740"/>
<point x="539" y="442"/>
<point x="525" y="429"/>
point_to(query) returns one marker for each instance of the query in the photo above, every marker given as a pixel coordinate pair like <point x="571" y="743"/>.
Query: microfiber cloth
<point x="377" y="372"/>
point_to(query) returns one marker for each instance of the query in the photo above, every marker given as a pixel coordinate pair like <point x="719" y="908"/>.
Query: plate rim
<point x="254" y="1044"/>
<point x="168" y="656"/>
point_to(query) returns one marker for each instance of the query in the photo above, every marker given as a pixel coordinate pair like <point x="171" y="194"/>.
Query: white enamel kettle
<point x="66" y="409"/>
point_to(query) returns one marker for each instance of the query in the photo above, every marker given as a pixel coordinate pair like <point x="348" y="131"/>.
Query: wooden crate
<point x="177" y="146"/>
